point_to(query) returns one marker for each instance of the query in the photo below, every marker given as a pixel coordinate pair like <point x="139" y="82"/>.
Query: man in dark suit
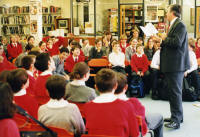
<point x="174" y="61"/>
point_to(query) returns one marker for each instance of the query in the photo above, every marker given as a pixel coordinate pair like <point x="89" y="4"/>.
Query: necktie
<point x="76" y="60"/>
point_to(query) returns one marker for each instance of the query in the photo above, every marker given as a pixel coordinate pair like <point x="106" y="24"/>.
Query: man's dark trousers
<point x="175" y="81"/>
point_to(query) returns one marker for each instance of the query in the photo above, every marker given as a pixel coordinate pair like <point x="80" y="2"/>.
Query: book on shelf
<point x="15" y="19"/>
<point x="21" y="30"/>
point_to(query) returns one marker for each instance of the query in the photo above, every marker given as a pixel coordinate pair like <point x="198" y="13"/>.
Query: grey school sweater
<point x="67" y="117"/>
<point x="79" y="93"/>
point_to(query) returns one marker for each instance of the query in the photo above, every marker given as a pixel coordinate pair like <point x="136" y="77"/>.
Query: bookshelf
<point x="130" y="17"/>
<point x="16" y="20"/>
<point x="49" y="16"/>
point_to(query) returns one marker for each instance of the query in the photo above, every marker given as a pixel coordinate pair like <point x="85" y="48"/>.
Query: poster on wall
<point x="151" y="13"/>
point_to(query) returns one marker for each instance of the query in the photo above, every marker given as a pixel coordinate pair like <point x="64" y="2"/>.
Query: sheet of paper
<point x="149" y="29"/>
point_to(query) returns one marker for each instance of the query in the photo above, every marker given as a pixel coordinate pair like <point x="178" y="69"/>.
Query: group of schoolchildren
<point x="46" y="80"/>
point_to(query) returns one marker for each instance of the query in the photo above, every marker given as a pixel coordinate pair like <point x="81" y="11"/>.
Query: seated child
<point x="107" y="115"/>
<point x="74" y="58"/>
<point x="42" y="64"/>
<point x="96" y="51"/>
<point x="77" y="91"/>
<point x="18" y="80"/>
<point x="139" y="66"/>
<point x="14" y="48"/>
<point x="117" y="58"/>
<point x="59" y="62"/>
<point x="27" y="63"/>
<point x="57" y="112"/>
<point x="156" y="125"/>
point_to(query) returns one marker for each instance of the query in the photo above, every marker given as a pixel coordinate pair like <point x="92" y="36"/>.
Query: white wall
<point x="186" y="15"/>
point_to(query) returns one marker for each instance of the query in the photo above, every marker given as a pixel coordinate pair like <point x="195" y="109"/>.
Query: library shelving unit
<point x="15" y="20"/>
<point x="130" y="17"/>
<point x="49" y="16"/>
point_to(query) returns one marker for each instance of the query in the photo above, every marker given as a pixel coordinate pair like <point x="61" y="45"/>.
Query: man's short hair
<point x="176" y="9"/>
<point x="17" y="78"/>
<point x="105" y="80"/>
<point x="64" y="49"/>
<point x="122" y="81"/>
<point x="56" y="86"/>
<point x="42" y="62"/>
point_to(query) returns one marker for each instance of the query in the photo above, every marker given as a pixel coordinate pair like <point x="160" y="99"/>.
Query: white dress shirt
<point x="54" y="103"/>
<point x="117" y="59"/>
<point x="105" y="98"/>
<point x="193" y="62"/>
<point x="155" y="63"/>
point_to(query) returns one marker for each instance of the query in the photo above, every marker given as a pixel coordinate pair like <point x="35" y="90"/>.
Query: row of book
<point x="21" y="30"/>
<point x="51" y="9"/>
<point x="48" y="19"/>
<point x="45" y="30"/>
<point x="15" y="19"/>
<point x="14" y="9"/>
<point x="26" y="9"/>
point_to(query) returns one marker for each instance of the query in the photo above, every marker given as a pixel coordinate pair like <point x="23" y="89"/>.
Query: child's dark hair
<point x="64" y="49"/>
<point x="7" y="107"/>
<point x="42" y="62"/>
<point x="122" y="82"/>
<point x="79" y="70"/>
<point x="27" y="61"/>
<point x="74" y="46"/>
<point x="17" y="78"/>
<point x="56" y="86"/>
<point x="105" y="80"/>
<point x="40" y="43"/>
<point x="30" y="38"/>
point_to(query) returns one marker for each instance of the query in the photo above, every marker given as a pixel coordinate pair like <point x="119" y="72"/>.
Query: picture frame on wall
<point x="151" y="13"/>
<point x="62" y="23"/>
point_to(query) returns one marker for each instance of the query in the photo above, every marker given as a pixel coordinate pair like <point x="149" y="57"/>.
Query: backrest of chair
<point x="35" y="127"/>
<point x="62" y="132"/>
<point x="98" y="63"/>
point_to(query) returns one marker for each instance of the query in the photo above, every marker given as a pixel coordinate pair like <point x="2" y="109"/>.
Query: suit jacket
<point x="174" y="55"/>
<point x="94" y="54"/>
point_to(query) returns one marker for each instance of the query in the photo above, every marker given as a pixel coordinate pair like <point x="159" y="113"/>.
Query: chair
<point x="35" y="127"/>
<point x="139" y="119"/>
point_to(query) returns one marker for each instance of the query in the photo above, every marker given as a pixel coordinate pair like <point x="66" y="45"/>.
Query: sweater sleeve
<point x="132" y="122"/>
<point x="133" y="66"/>
<point x="146" y="63"/>
<point x="140" y="110"/>
<point x="77" y="121"/>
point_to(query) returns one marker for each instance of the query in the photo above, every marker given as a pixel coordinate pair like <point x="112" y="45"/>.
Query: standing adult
<point x="174" y="60"/>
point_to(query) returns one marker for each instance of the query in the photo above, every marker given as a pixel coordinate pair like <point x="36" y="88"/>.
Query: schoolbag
<point x="162" y="89"/>
<point x="188" y="92"/>
<point x="136" y="87"/>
